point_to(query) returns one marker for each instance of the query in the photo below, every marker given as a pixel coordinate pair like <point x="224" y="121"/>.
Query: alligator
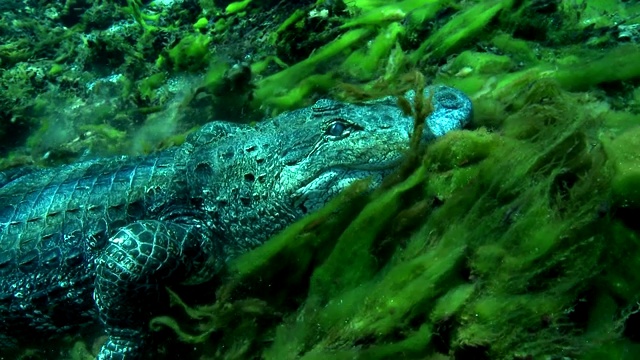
<point x="91" y="242"/>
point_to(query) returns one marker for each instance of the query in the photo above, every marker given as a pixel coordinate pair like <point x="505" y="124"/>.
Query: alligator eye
<point x="336" y="129"/>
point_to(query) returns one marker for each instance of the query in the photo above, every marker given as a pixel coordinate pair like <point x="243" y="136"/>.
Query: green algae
<point x="279" y="90"/>
<point x="284" y="89"/>
<point x="79" y="351"/>
<point x="510" y="264"/>
<point x="236" y="7"/>
<point x="201" y="24"/>
<point x="134" y="9"/>
<point x="148" y="85"/>
<point x="191" y="53"/>
<point x="292" y="20"/>
<point x="625" y="185"/>
<point x="379" y="13"/>
<point x="452" y="161"/>
<point x="362" y="64"/>
<point x="621" y="63"/>
<point x="304" y="237"/>
<point x="514" y="239"/>
<point x="482" y="63"/>
<point x="519" y="50"/>
<point x="460" y="30"/>
<point x="356" y="243"/>
<point x="452" y="302"/>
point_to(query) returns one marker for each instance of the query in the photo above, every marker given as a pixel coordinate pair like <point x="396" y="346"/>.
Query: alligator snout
<point x="452" y="110"/>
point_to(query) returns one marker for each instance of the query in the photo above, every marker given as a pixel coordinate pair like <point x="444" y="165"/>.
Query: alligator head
<point x="262" y="178"/>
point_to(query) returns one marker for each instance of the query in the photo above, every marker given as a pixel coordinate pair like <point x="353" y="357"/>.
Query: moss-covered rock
<point x="623" y="152"/>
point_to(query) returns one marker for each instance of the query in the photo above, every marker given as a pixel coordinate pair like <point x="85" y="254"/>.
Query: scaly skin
<point x="95" y="240"/>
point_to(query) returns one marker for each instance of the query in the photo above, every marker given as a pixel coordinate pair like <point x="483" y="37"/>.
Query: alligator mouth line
<point x="340" y="180"/>
<point x="342" y="170"/>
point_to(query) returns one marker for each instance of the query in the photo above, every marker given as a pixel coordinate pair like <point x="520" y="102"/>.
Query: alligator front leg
<point x="136" y="259"/>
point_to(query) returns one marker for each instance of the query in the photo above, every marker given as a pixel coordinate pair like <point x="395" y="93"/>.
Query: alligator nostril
<point x="448" y="100"/>
<point x="249" y="177"/>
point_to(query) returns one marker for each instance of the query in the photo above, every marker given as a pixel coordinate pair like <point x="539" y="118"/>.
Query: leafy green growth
<point x="502" y="265"/>
<point x="617" y="65"/>
<point x="149" y="84"/>
<point x="202" y="23"/>
<point x="623" y="151"/>
<point x="482" y="63"/>
<point x="191" y="53"/>
<point x="236" y="7"/>
<point x="134" y="9"/>
<point x="362" y="64"/>
<point x="519" y="50"/>
<point x="460" y="30"/>
<point x="516" y="238"/>
<point x="286" y="88"/>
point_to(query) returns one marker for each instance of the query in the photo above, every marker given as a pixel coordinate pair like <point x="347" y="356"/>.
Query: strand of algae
<point x="595" y="67"/>
<point x="378" y="13"/>
<point x="363" y="63"/>
<point x="461" y="29"/>
<point x="269" y="91"/>
<point x="353" y="249"/>
<point x="292" y="242"/>
<point x="619" y="64"/>
<point x="236" y="7"/>
<point x="134" y="8"/>
<point x="360" y="65"/>
<point x="402" y="292"/>
<point x="362" y="307"/>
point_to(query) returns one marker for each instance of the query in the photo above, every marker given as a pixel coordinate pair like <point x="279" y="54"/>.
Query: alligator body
<point x="92" y="241"/>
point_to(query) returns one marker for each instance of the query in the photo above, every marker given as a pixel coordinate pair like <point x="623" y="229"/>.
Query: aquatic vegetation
<point x="516" y="238"/>
<point x="510" y="259"/>
<point x="191" y="53"/>
<point x="362" y="64"/>
<point x="134" y="9"/>
<point x="237" y="6"/>
<point x="269" y="90"/>
<point x="622" y="151"/>
<point x="460" y="30"/>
